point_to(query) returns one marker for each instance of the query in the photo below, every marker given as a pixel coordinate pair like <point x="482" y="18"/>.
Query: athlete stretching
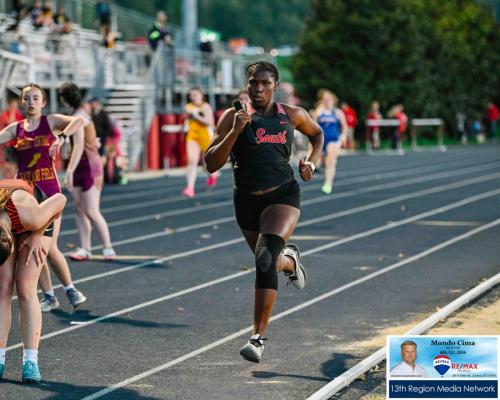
<point x="266" y="195"/>
<point x="26" y="230"/>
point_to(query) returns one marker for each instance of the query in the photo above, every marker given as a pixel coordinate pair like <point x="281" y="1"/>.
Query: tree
<point x="264" y="23"/>
<point x="437" y="57"/>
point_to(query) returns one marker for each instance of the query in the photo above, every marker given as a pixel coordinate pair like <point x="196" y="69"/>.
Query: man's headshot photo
<point x="408" y="365"/>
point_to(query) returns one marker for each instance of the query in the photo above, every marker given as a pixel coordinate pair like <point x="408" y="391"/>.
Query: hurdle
<point x="415" y="124"/>
<point x="425" y="122"/>
<point x="379" y="123"/>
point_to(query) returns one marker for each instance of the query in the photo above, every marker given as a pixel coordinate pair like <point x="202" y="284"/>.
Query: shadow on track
<point x="82" y="316"/>
<point x="67" y="391"/>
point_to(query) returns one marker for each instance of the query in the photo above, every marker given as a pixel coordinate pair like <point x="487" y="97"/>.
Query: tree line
<point x="437" y="57"/>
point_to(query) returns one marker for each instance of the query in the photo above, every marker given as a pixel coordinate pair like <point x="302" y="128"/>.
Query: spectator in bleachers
<point x="16" y="42"/>
<point x="47" y="14"/>
<point x="109" y="38"/>
<point x="103" y="14"/>
<point x="11" y="114"/>
<point x="60" y="18"/>
<point x="18" y="10"/>
<point x="352" y="120"/>
<point x="102" y="123"/>
<point x="35" y="13"/>
<point x="374" y="131"/>
<point x="67" y="27"/>
<point x="159" y="31"/>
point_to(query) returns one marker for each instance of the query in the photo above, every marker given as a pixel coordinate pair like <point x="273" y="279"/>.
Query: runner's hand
<point x="68" y="180"/>
<point x="241" y="118"/>
<point x="306" y="169"/>
<point x="34" y="244"/>
<point x="56" y="146"/>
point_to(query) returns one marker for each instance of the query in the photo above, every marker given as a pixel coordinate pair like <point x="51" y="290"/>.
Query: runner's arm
<point x="34" y="216"/>
<point x="229" y="127"/>
<point x="8" y="133"/>
<point x="65" y="124"/>
<point x="307" y="126"/>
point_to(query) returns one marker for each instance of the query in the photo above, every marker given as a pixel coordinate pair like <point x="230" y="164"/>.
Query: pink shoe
<point x="212" y="180"/>
<point x="188" y="192"/>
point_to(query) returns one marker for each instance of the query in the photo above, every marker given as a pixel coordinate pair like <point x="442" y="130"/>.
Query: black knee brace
<point x="267" y="251"/>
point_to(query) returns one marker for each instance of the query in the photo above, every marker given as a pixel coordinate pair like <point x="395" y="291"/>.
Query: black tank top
<point x="262" y="160"/>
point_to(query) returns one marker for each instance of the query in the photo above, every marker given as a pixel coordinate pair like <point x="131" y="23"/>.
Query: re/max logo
<point x="465" y="366"/>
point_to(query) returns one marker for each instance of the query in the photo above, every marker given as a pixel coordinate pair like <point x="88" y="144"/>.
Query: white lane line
<point x="361" y="179"/>
<point x="406" y="220"/>
<point x="153" y="189"/>
<point x="314" y="237"/>
<point x="300" y="224"/>
<point x="167" y="232"/>
<point x="305" y="253"/>
<point x="229" y="219"/>
<point x="160" y="215"/>
<point x="303" y="223"/>
<point x="292" y="310"/>
<point x="448" y="223"/>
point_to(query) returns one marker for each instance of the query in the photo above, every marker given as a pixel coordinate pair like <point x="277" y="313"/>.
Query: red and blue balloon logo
<point x="442" y="364"/>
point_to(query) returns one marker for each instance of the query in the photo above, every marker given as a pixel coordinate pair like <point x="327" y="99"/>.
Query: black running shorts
<point x="248" y="207"/>
<point x="40" y="196"/>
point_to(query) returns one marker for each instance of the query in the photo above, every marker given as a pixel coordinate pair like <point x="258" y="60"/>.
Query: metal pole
<point x="190" y="23"/>
<point x="52" y="89"/>
<point x="414" y="137"/>
<point x="78" y="16"/>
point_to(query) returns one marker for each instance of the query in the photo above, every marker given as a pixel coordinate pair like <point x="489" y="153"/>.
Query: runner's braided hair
<point x="259" y="66"/>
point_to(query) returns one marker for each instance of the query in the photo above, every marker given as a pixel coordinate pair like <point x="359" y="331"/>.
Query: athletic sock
<point x="30" y="355"/>
<point x="50" y="293"/>
<point x="66" y="288"/>
<point x="2" y="356"/>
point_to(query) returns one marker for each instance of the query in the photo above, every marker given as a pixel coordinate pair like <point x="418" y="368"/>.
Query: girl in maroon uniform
<point x="86" y="183"/>
<point x="38" y="138"/>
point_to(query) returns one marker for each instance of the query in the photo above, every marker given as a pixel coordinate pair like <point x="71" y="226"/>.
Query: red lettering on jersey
<point x="263" y="138"/>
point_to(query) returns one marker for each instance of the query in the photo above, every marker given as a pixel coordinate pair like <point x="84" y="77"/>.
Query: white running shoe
<point x="108" y="254"/>
<point x="254" y="348"/>
<point x="81" y="255"/>
<point x="75" y="297"/>
<point x="49" y="303"/>
<point x="299" y="277"/>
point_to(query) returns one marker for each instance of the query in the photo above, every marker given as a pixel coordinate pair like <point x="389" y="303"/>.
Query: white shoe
<point x="254" y="348"/>
<point x="81" y="255"/>
<point x="75" y="297"/>
<point x="108" y="254"/>
<point x="299" y="277"/>
<point x="49" y="303"/>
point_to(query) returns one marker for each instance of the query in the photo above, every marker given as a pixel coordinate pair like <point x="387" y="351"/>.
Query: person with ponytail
<point x="86" y="182"/>
<point x="38" y="140"/>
